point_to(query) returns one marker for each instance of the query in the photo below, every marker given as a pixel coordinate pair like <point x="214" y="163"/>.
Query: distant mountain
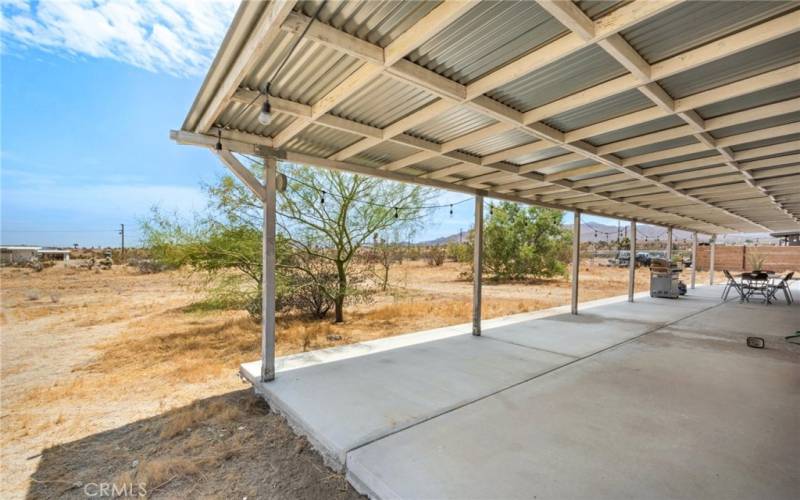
<point x="593" y="231"/>
<point x="444" y="240"/>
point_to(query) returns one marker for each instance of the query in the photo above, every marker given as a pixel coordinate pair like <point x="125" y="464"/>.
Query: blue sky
<point x="90" y="91"/>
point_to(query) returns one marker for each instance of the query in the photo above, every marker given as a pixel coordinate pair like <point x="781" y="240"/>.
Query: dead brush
<point x="206" y="413"/>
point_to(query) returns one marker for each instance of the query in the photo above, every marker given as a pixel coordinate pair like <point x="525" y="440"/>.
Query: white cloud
<point x="178" y="37"/>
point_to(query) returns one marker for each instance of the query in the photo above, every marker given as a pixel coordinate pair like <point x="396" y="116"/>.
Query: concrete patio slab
<point x="672" y="414"/>
<point x="344" y="404"/>
<point x="598" y="328"/>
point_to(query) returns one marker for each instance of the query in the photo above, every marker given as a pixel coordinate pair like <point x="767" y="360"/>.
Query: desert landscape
<point x="120" y="377"/>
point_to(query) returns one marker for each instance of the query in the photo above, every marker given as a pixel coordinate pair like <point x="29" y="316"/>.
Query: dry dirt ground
<point x="108" y="378"/>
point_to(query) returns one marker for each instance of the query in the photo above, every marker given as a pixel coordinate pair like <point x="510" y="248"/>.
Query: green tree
<point x="525" y="241"/>
<point x="324" y="218"/>
<point x="331" y="215"/>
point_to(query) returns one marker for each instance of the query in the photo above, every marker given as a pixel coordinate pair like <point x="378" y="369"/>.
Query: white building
<point x="18" y="254"/>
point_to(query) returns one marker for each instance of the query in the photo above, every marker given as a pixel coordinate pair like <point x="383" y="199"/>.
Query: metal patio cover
<point x="678" y="113"/>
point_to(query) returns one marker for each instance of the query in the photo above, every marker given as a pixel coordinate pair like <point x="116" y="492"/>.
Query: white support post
<point x="576" y="258"/>
<point x="711" y="260"/>
<point x="477" y="266"/>
<point x="268" y="274"/>
<point x="694" y="258"/>
<point x="669" y="244"/>
<point x="632" y="263"/>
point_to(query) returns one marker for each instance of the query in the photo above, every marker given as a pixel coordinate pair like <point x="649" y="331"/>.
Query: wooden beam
<point x="571" y="16"/>
<point x="329" y="36"/>
<point x="434" y="22"/>
<point x="242" y="173"/>
<point x="265" y="32"/>
<point x="728" y="45"/>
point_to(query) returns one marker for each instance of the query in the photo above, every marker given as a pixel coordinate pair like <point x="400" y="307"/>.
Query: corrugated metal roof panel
<point x="599" y="8"/>
<point x="566" y="166"/>
<point x="383" y="103"/>
<point x="693" y="156"/>
<point x="539" y="155"/>
<point x="321" y="141"/>
<point x="242" y="117"/>
<point x="766" y="142"/>
<point x="376" y="21"/>
<point x="592" y="175"/>
<point x="757" y="125"/>
<point x="311" y="72"/>
<point x="436" y="163"/>
<point x="448" y="126"/>
<point x="578" y="71"/>
<point x="385" y="152"/>
<point x="692" y="24"/>
<point x="500" y="142"/>
<point x="488" y="36"/>
<point x="772" y="55"/>
<point x="651" y="148"/>
<point x="604" y="109"/>
<point x="636" y="130"/>
<point x="760" y="98"/>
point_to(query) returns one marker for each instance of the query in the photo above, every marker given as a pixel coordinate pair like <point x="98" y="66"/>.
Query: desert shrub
<point x="150" y="266"/>
<point x="382" y="255"/>
<point x="435" y="256"/>
<point x="459" y="252"/>
<point x="530" y="241"/>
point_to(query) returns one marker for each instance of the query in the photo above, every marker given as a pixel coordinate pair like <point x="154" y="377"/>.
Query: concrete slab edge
<point x="276" y="405"/>
<point x="331" y="354"/>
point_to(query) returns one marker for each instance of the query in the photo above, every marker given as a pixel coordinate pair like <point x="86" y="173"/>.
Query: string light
<point x="396" y="213"/>
<point x="265" y="115"/>
<point x="451" y="210"/>
<point x="218" y="145"/>
<point x="322" y="199"/>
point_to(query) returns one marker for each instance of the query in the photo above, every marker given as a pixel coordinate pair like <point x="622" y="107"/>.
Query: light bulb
<point x="265" y="116"/>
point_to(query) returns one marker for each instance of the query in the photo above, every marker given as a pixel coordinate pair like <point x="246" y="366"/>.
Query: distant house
<point x="18" y="254"/>
<point x="53" y="254"/>
<point x="788" y="238"/>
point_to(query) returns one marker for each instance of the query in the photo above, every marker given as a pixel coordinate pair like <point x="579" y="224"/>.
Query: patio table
<point x="757" y="284"/>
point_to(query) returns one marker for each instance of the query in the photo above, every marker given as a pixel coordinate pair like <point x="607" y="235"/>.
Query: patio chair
<point x="783" y="284"/>
<point x="732" y="284"/>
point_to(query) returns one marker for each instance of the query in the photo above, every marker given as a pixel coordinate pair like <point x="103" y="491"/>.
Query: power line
<point x="62" y="231"/>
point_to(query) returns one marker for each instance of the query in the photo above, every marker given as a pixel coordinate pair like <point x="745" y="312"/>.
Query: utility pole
<point x="122" y="234"/>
